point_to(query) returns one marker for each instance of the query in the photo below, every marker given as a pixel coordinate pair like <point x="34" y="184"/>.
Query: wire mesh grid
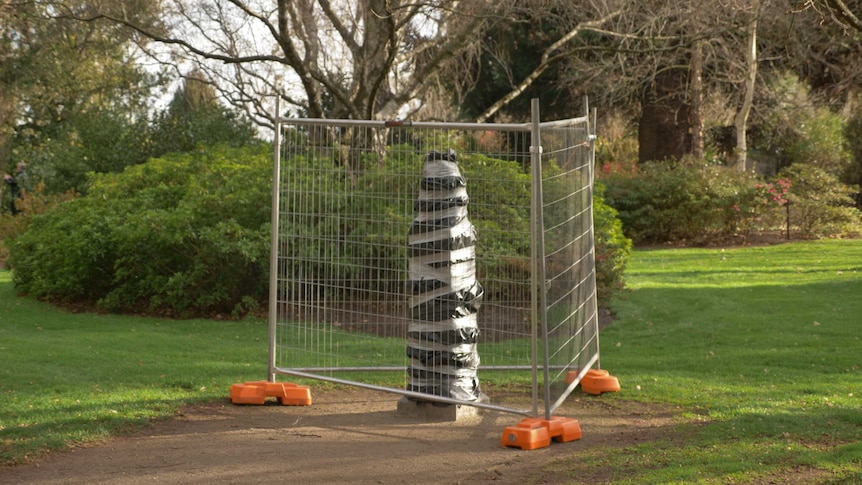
<point x="354" y="204"/>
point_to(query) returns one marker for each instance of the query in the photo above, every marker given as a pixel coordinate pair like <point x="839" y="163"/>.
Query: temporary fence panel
<point x="441" y="251"/>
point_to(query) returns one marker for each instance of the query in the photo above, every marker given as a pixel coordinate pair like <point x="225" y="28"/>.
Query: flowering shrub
<point x="773" y="193"/>
<point x="689" y="201"/>
<point x="696" y="202"/>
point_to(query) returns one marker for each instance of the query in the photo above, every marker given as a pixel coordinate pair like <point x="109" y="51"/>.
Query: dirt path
<point x="347" y="436"/>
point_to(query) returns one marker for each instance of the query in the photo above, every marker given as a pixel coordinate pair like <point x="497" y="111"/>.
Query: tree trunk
<point x="741" y="121"/>
<point x="696" y="112"/>
<point x="664" y="129"/>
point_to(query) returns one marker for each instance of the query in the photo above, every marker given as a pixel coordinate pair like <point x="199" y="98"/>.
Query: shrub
<point x="613" y="248"/>
<point x="853" y="143"/>
<point x="687" y="202"/>
<point x="32" y="204"/>
<point x="182" y="234"/>
<point x="188" y="234"/>
<point x="820" y="205"/>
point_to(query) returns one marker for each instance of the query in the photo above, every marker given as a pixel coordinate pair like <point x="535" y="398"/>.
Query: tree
<point x="195" y="117"/>
<point x="505" y="72"/>
<point x="741" y="119"/>
<point x="57" y="76"/>
<point x="677" y="66"/>
<point x="709" y="53"/>
<point x="364" y="59"/>
<point x="682" y="69"/>
<point x="660" y="60"/>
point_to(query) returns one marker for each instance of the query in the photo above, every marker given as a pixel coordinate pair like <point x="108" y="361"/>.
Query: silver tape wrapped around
<point x="444" y="295"/>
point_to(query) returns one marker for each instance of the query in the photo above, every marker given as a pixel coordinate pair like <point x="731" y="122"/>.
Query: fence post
<point x="273" y="244"/>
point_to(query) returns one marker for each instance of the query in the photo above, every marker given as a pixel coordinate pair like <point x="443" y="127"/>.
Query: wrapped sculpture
<point x="445" y="296"/>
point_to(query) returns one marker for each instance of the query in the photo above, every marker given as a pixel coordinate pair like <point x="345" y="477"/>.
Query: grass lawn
<point x="756" y="349"/>
<point x="67" y="378"/>
<point x="759" y="348"/>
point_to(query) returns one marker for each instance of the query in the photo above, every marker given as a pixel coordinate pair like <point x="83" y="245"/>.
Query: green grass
<point x="758" y="348"/>
<point x="73" y="378"/>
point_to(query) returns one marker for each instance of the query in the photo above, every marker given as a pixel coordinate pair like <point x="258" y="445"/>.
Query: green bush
<point x="32" y="204"/>
<point x="188" y="234"/>
<point x="820" y="205"/>
<point x="613" y="248"/>
<point x="686" y="201"/>
<point x="182" y="234"/>
<point x="853" y="143"/>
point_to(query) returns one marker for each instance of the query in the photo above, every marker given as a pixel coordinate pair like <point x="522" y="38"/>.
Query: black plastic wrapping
<point x="444" y="293"/>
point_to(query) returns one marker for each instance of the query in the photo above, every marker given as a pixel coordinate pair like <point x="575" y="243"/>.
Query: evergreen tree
<point x="194" y="117"/>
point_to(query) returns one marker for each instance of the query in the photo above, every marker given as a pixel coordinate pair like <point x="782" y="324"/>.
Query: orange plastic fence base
<point x="532" y="433"/>
<point x="598" y="381"/>
<point x="595" y="381"/>
<point x="286" y="393"/>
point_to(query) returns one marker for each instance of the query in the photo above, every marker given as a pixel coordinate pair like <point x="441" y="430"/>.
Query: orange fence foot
<point x="529" y="434"/>
<point x="532" y="433"/>
<point x="286" y="393"/>
<point x="597" y="381"/>
<point x="563" y="430"/>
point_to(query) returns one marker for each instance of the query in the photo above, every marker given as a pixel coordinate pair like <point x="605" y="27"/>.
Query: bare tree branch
<point x="546" y="61"/>
<point x="842" y="13"/>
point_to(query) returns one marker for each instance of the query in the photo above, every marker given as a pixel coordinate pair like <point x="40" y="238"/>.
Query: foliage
<point x="188" y="233"/>
<point x="687" y="201"/>
<point x="105" y="140"/>
<point x="853" y="144"/>
<point x="100" y="140"/>
<point x="32" y="204"/>
<point x="772" y="193"/>
<point x="56" y="72"/>
<point x="796" y="130"/>
<point x="195" y="118"/>
<point x="820" y="205"/>
<point x="499" y="208"/>
<point x="508" y="55"/>
<point x="613" y="248"/>
<point x="504" y="222"/>
<point x="182" y="234"/>
<point x="617" y="147"/>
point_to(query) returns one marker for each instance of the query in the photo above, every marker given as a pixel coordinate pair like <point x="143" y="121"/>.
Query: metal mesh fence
<point x="441" y="251"/>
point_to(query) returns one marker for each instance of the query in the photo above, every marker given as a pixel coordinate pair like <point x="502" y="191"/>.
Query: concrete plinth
<point x="437" y="411"/>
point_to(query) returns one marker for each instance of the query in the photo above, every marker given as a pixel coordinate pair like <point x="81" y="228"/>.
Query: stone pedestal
<point x="436" y="411"/>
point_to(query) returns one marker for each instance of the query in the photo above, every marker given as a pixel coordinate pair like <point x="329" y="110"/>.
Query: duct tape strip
<point x="459" y="228"/>
<point x="468" y="344"/>
<point x="445" y="325"/>
<point x="468" y="360"/>
<point x="447" y="244"/>
<point x="444" y="258"/>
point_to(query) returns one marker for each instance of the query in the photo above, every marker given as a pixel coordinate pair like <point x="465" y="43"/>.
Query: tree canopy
<point x="56" y="72"/>
<point x="680" y="71"/>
